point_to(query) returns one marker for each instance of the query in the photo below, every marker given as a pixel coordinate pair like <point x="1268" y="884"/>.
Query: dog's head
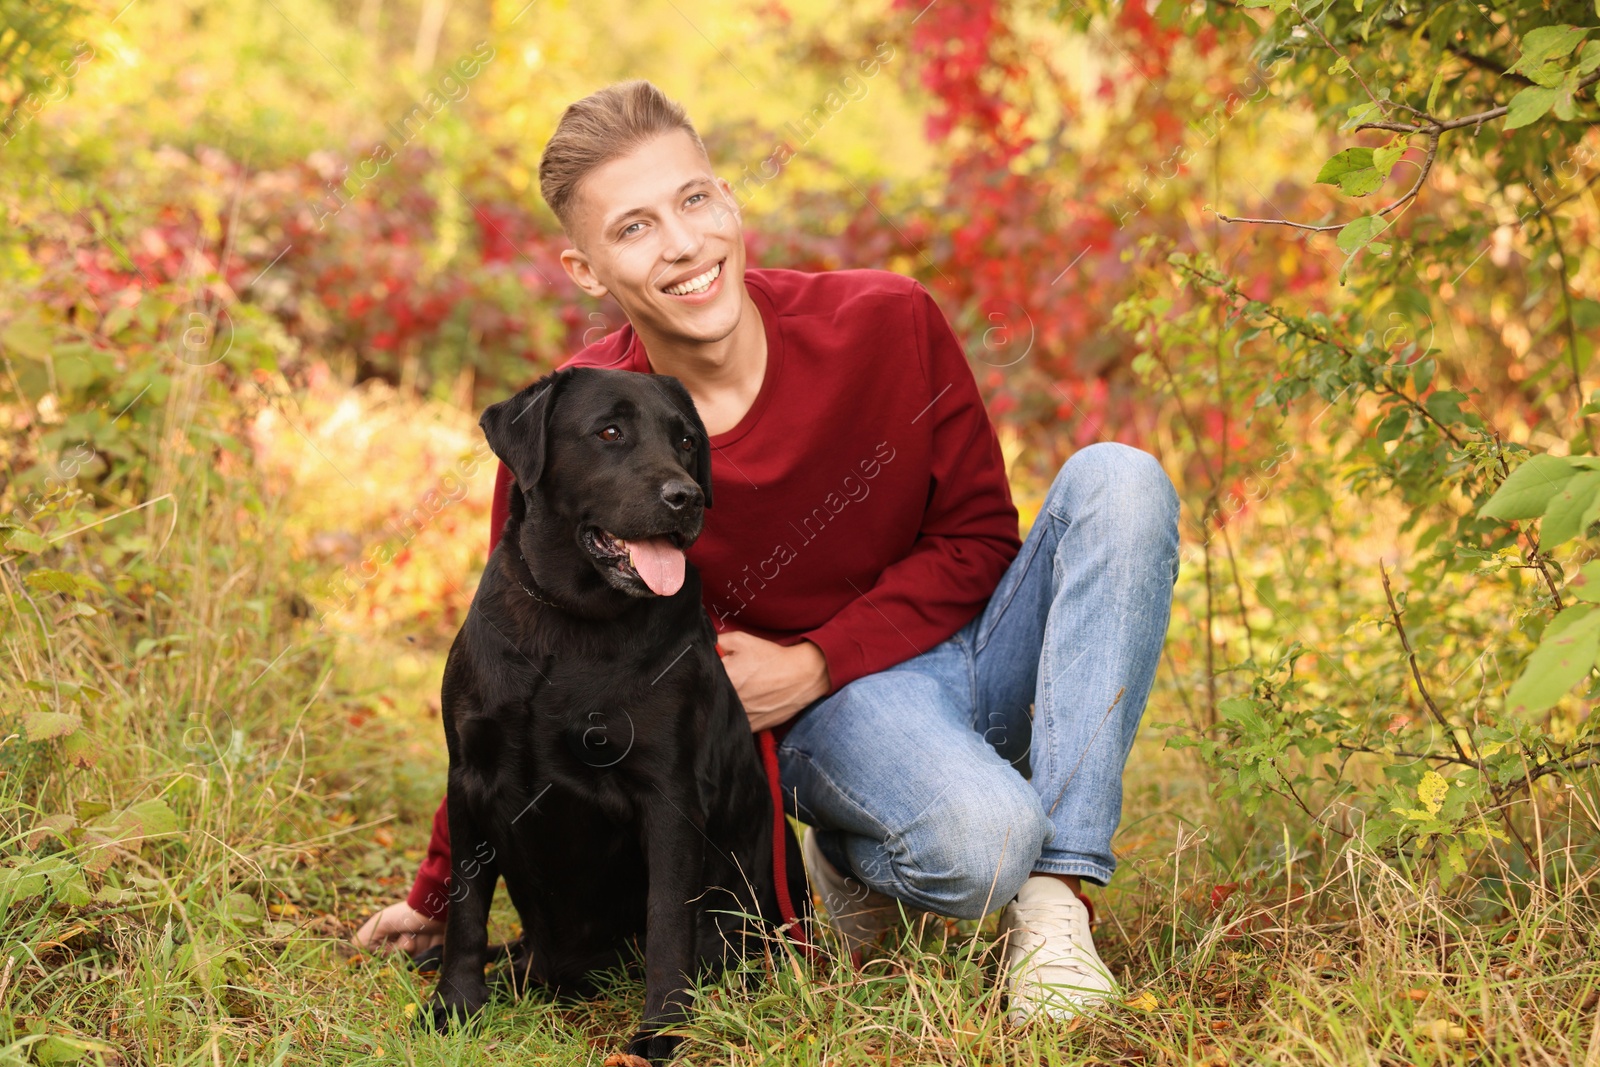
<point x="616" y="460"/>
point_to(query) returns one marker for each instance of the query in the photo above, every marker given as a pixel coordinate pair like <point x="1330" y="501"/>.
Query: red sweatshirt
<point x="861" y="503"/>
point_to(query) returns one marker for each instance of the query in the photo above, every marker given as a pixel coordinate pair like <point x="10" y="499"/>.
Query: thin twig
<point x="1425" y="167"/>
<point x="1416" y="672"/>
<point x="1434" y="129"/>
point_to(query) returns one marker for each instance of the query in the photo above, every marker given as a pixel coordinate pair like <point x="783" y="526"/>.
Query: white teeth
<point x="696" y="285"/>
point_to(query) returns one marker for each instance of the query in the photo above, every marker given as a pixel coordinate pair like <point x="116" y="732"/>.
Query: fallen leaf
<point x="625" y="1059"/>
<point x="1220" y="893"/>
<point x="1418" y="995"/>
<point x="50" y="826"/>
<point x="1145" y="1001"/>
<point x="1441" y="1030"/>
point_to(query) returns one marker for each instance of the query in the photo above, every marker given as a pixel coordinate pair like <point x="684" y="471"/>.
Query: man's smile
<point x="697" y="284"/>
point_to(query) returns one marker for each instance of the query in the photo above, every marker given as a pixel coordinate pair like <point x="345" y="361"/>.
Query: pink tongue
<point x="659" y="562"/>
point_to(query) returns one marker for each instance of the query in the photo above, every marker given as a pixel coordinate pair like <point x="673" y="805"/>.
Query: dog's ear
<point x="517" y="428"/>
<point x="702" y="440"/>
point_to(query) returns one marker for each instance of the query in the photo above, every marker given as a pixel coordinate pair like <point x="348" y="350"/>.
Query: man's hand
<point x="400" y="926"/>
<point x="774" y="681"/>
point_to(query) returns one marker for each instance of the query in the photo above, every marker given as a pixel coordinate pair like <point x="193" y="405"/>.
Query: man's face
<point x="660" y="233"/>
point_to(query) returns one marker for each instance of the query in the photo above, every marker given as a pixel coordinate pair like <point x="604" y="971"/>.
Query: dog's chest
<point x="596" y="720"/>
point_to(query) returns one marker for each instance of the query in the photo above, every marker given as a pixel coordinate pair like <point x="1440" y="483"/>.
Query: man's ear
<point x="702" y="441"/>
<point x="516" y="429"/>
<point x="577" y="266"/>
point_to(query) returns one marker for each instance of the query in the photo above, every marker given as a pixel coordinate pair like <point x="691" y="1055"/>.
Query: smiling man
<point x="955" y="705"/>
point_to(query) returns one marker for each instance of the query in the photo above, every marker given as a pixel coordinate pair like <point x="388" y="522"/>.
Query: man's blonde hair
<point x="599" y="128"/>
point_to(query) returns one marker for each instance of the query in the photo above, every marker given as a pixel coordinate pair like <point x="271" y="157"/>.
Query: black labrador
<point x="600" y="759"/>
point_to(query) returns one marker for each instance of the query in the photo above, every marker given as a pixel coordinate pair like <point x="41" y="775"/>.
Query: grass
<point x="244" y="755"/>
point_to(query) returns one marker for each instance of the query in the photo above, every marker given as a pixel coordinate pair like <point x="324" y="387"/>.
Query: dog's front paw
<point x="446" y="1012"/>
<point x="653" y="1046"/>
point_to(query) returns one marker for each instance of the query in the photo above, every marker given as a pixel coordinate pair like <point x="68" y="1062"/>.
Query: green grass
<point x="296" y="769"/>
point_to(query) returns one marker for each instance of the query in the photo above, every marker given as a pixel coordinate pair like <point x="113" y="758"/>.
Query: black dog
<point x="600" y="759"/>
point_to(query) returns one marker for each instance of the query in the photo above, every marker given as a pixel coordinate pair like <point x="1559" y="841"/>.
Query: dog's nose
<point x="679" y="494"/>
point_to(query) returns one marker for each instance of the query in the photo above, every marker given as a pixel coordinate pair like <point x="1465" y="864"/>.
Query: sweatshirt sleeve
<point x="430" y="893"/>
<point x="968" y="535"/>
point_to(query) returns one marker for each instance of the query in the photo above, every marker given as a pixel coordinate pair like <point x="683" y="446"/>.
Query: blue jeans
<point x="931" y="780"/>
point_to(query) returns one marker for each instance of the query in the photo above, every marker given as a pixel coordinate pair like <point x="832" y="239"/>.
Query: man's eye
<point x="694" y="197"/>
<point x="610" y="433"/>
<point x="628" y="230"/>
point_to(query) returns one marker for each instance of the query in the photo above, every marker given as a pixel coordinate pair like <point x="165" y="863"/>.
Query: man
<point x="862" y="565"/>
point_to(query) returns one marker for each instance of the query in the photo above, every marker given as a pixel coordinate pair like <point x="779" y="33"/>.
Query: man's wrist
<point x="820" y="682"/>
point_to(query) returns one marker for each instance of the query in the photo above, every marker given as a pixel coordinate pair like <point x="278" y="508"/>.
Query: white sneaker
<point x="1049" y="953"/>
<point x="858" y="914"/>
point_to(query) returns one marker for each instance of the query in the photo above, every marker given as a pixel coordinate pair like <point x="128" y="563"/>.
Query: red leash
<point x="780" y="840"/>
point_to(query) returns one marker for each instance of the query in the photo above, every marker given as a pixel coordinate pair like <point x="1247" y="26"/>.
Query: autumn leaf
<point x="48" y="725"/>
<point x="1143" y="1001"/>
<point x="1441" y="1030"/>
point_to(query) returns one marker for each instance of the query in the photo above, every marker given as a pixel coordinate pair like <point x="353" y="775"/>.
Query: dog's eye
<point x="610" y="433"/>
<point x="686" y="442"/>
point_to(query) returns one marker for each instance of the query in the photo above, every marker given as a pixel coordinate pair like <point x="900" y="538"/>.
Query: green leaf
<point x="1529" y="106"/>
<point x="1528" y="490"/>
<point x="55" y="826"/>
<point x="1445" y="405"/>
<point x="1589" y="58"/>
<point x="1422" y="373"/>
<point x="1358" y="234"/>
<point x="1563" y="514"/>
<point x="56" y="1048"/>
<point x="1366" y="111"/>
<point x="48" y="581"/>
<point x="1393" y="425"/>
<point x="152" y="817"/>
<point x="1565" y="107"/>
<point x="1550" y="75"/>
<point x="81" y="750"/>
<point x="1586" y="586"/>
<point x="1558" y="664"/>
<point x="48" y="725"/>
<point x="25" y="541"/>
<point x="1384" y="159"/>
<point x="27" y="337"/>
<point x="1243" y="713"/>
<point x="1359" y="171"/>
<point x="1546" y="43"/>
<point x="1452" y="862"/>
<point x="1348" y="161"/>
<point x="242" y="909"/>
<point x="1568" y="617"/>
<point x="1433" y="91"/>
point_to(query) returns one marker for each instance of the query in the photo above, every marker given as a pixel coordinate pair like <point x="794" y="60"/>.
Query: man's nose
<point x="681" y="241"/>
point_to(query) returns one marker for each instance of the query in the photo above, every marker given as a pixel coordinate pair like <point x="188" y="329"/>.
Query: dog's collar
<point x="530" y="592"/>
